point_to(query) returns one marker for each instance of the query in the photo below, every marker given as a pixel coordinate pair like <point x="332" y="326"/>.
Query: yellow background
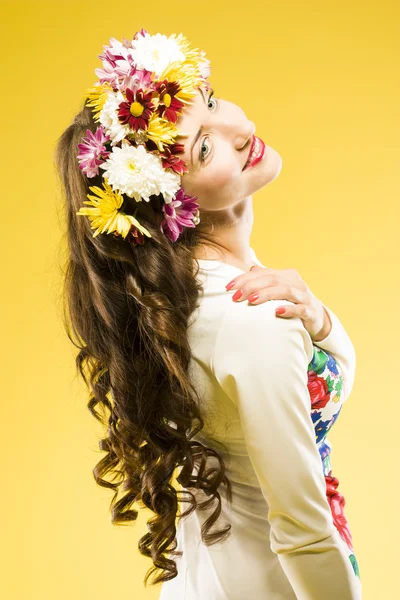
<point x="321" y="82"/>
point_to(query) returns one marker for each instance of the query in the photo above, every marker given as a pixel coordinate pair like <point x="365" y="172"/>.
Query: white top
<point x="250" y="369"/>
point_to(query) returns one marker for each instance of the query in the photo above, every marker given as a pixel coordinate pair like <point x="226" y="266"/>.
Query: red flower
<point x="337" y="503"/>
<point x="169" y="106"/>
<point x="170" y="160"/>
<point x="319" y="391"/>
<point x="137" y="110"/>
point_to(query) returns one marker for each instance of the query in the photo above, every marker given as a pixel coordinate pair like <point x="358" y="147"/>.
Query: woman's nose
<point x="243" y="137"/>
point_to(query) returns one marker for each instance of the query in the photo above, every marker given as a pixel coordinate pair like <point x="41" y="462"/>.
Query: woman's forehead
<point x="187" y="120"/>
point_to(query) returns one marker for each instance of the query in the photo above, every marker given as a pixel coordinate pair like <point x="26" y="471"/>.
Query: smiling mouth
<point x="250" y="151"/>
<point x="257" y="151"/>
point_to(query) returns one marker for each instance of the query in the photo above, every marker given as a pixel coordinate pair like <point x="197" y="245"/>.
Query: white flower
<point x="109" y="118"/>
<point x="139" y="174"/>
<point x="155" y="52"/>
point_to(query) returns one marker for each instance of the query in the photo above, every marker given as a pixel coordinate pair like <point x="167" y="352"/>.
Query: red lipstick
<point x="257" y="151"/>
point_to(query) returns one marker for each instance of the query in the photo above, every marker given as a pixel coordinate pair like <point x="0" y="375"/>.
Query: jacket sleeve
<point x="261" y="363"/>
<point x="340" y="346"/>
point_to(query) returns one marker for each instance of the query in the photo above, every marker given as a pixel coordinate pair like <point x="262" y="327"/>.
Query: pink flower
<point x="108" y="74"/>
<point x="115" y="55"/>
<point x="119" y="68"/>
<point x="92" y="151"/>
<point x="180" y="213"/>
<point x="135" y="78"/>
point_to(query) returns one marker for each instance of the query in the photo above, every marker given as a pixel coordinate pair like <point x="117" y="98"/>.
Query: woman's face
<point x="220" y="152"/>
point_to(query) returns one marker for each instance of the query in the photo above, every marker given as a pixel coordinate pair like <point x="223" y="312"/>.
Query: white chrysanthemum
<point x="139" y="174"/>
<point x="109" y="118"/>
<point x="156" y="52"/>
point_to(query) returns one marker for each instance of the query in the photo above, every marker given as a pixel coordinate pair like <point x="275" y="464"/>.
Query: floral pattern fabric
<point x="325" y="383"/>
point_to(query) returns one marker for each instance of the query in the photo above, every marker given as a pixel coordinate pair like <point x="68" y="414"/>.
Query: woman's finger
<point x="252" y="292"/>
<point x="303" y="311"/>
<point x="264" y="284"/>
<point x="263" y="277"/>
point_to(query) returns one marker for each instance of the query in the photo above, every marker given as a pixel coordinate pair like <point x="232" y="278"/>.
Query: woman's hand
<point x="261" y="284"/>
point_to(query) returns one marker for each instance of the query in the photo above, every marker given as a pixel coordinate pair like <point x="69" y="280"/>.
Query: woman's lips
<point x="257" y="151"/>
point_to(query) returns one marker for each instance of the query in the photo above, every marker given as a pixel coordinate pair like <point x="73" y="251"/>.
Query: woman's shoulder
<point x="242" y="324"/>
<point x="245" y="313"/>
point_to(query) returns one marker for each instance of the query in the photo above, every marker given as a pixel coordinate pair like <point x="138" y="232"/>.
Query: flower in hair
<point x="144" y="85"/>
<point x="93" y="151"/>
<point x="137" y="109"/>
<point x="169" y="104"/>
<point x="155" y="52"/>
<point x="108" y="117"/>
<point x="104" y="214"/>
<point x="170" y="159"/>
<point x="139" y="174"/>
<point x="179" y="213"/>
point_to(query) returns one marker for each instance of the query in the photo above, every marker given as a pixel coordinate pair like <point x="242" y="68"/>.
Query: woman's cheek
<point x="220" y="177"/>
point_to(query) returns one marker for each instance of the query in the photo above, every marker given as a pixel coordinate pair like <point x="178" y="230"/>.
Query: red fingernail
<point x="280" y="310"/>
<point x="237" y="295"/>
<point x="253" y="297"/>
<point x="231" y="284"/>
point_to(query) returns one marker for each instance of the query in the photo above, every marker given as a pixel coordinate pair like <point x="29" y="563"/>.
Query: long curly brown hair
<point x="126" y="307"/>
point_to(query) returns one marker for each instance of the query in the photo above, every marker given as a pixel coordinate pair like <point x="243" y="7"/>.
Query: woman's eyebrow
<point x="198" y="134"/>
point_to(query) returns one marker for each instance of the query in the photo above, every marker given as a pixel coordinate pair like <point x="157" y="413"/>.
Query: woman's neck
<point x="230" y="242"/>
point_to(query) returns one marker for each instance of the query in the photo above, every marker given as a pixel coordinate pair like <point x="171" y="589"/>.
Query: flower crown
<point x="143" y="87"/>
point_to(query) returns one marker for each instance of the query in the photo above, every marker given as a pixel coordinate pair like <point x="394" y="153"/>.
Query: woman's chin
<point x="276" y="164"/>
<point x="266" y="170"/>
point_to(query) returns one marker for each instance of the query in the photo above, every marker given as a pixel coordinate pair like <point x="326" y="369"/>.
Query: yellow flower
<point x="185" y="72"/>
<point x="97" y="95"/>
<point x="161" y="131"/>
<point x="104" y="214"/>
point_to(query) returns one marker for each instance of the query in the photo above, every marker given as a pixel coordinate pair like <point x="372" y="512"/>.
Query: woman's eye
<point x="210" y="97"/>
<point x="202" y="156"/>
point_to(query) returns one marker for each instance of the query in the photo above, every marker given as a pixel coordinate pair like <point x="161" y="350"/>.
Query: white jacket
<point x="251" y="369"/>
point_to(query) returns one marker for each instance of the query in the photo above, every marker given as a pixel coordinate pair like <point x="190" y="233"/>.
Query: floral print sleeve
<point x="283" y="390"/>
<point x="325" y="384"/>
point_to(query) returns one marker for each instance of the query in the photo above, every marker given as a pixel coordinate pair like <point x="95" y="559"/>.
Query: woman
<point x="235" y="398"/>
